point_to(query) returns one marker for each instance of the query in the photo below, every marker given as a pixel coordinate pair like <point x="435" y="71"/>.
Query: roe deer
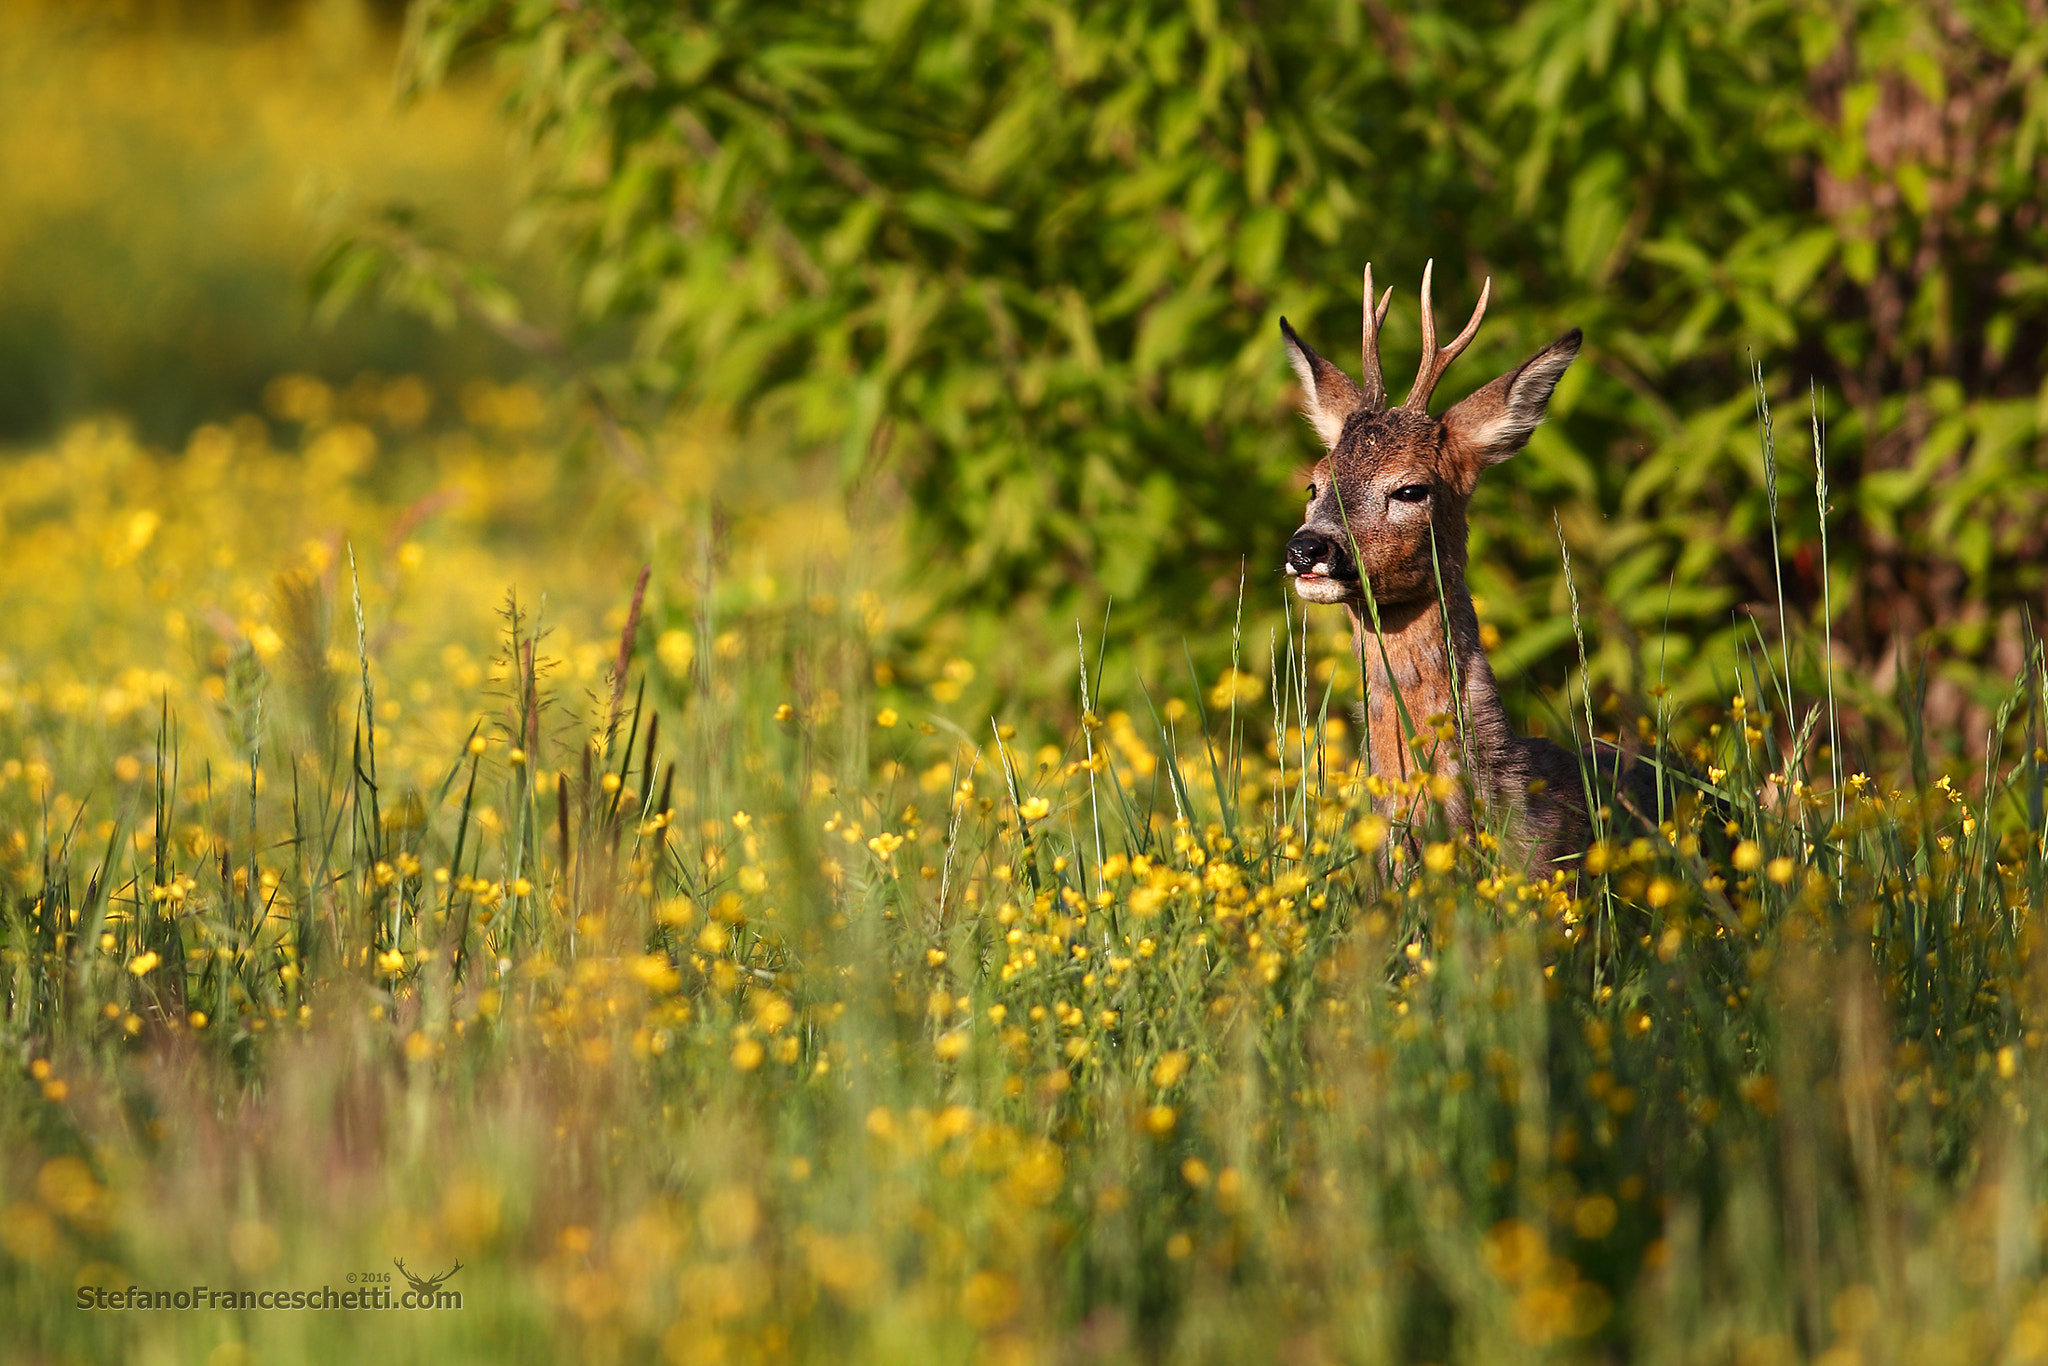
<point x="1386" y="514"/>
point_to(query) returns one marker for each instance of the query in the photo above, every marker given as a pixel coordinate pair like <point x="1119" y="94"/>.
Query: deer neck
<point x="1429" y="654"/>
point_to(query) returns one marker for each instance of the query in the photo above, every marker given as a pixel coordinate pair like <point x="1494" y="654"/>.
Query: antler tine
<point x="1457" y="345"/>
<point x="1423" y="381"/>
<point x="1434" y="361"/>
<point x="1375" y="388"/>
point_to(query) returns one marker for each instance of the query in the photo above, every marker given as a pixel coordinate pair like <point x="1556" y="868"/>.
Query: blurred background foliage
<point x="166" y="169"/>
<point x="1022" y="265"/>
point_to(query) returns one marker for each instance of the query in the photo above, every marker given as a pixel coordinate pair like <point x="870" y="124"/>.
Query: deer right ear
<point x="1494" y="422"/>
<point x="1327" y="394"/>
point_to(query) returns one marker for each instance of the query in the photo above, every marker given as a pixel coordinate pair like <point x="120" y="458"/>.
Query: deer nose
<point x="1311" y="552"/>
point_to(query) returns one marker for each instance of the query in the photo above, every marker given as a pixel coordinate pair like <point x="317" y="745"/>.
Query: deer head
<point x="1386" y="506"/>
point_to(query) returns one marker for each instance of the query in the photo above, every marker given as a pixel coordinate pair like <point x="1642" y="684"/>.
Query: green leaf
<point x="1597" y="212"/>
<point x="1798" y="261"/>
<point x="1260" y="244"/>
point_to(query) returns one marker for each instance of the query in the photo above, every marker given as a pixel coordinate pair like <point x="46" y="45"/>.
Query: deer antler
<point x="1375" y="390"/>
<point x="424" y="1284"/>
<point x="1435" y="362"/>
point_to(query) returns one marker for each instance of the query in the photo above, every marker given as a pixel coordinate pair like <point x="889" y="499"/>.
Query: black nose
<point x="1311" y="548"/>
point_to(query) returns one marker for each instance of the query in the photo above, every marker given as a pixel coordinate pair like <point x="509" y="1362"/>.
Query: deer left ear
<point x="1495" y="422"/>
<point x="1328" y="395"/>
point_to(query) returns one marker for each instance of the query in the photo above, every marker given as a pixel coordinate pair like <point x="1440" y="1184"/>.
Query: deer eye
<point x="1411" y="493"/>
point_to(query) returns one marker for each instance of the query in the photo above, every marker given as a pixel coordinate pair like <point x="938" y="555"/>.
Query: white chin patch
<point x="1316" y="588"/>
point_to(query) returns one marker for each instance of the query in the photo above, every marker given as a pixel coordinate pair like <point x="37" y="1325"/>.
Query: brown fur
<point x="1387" y="512"/>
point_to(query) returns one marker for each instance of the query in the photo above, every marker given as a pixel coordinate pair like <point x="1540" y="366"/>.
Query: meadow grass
<point x="711" y="995"/>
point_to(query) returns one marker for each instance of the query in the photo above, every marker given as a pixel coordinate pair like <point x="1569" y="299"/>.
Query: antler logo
<point x="423" y="1284"/>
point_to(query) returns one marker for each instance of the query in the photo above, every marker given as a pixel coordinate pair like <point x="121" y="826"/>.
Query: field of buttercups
<point x="391" y="871"/>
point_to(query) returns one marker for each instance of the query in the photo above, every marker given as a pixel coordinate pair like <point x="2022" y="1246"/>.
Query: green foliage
<point x="1029" y="261"/>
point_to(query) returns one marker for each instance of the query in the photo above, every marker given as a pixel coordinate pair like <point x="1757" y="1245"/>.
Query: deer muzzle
<point x="1312" y="554"/>
<point x="1320" y="567"/>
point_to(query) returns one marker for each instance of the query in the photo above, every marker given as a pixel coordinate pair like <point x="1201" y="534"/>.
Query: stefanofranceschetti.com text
<point x="135" y="1298"/>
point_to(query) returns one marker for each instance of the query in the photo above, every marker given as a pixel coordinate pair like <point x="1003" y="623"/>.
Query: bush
<point x="1028" y="261"/>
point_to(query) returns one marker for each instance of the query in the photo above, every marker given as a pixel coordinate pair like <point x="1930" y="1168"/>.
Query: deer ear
<point x="1495" y="422"/>
<point x="1327" y="394"/>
